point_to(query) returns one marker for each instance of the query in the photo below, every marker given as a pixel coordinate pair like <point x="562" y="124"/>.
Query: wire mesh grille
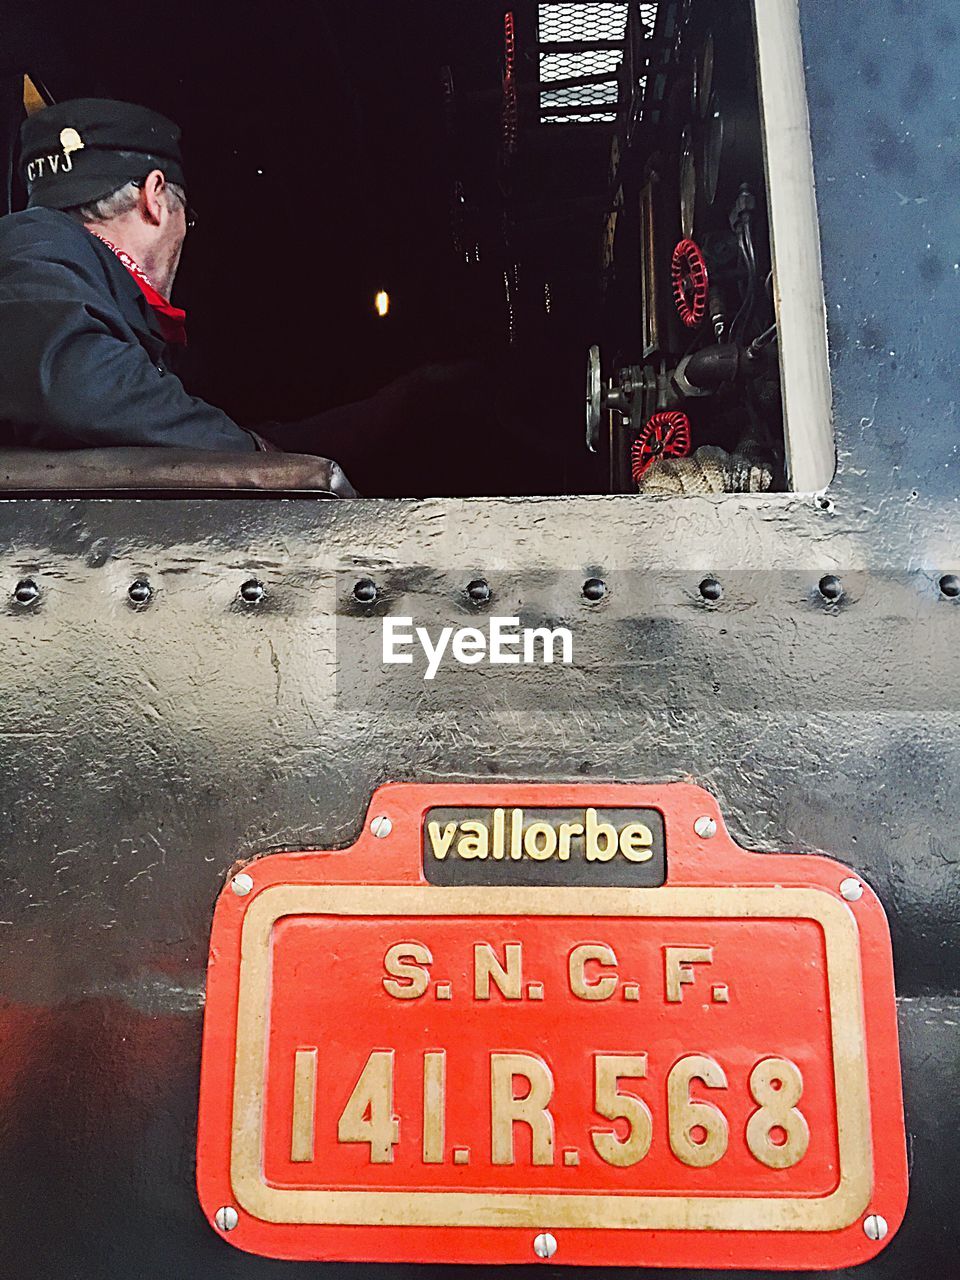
<point x="600" y="117"/>
<point x="564" y="66"/>
<point x="560" y="23"/>
<point x="582" y="95"/>
<point x="572" y="22"/>
<point x="648" y="16"/>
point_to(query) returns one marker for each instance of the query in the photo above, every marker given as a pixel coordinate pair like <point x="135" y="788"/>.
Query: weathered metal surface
<point x="147" y="748"/>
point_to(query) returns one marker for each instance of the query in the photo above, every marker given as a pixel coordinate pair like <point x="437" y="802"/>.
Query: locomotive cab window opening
<point x="488" y="249"/>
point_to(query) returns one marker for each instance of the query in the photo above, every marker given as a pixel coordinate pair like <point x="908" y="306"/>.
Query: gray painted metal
<point x="147" y="747"/>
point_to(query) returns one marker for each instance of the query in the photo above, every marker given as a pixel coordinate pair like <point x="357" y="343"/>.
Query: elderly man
<point x="85" y="277"/>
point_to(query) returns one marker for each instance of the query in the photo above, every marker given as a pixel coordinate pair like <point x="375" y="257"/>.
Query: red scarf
<point x="171" y="319"/>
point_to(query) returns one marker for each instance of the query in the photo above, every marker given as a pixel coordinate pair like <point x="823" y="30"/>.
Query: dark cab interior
<point x="564" y="204"/>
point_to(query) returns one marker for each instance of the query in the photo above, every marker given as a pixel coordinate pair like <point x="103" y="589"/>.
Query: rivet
<point x="241" y="884"/>
<point x="479" y="590"/>
<point x="830" y="587"/>
<point x="139" y="591"/>
<point x="26" y="591"/>
<point x="594" y="589"/>
<point x="365" y="591"/>
<point x="226" y="1217"/>
<point x="950" y="585"/>
<point x="711" y="589"/>
<point x="851" y="889"/>
<point x="824" y="503"/>
<point x="705" y="827"/>
<point x="381" y="826"/>
<point x="545" y="1245"/>
<point x="875" y="1227"/>
<point x="252" y="591"/>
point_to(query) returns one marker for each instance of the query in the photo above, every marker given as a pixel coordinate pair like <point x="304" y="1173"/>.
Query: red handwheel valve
<point x="691" y="284"/>
<point x="666" y="435"/>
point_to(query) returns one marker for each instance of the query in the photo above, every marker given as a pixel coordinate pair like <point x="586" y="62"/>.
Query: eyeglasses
<point x="190" y="214"/>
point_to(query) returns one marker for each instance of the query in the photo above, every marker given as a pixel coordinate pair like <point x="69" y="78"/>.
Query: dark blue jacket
<point x="81" y="358"/>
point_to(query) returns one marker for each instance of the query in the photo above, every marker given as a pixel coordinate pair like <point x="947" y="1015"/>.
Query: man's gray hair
<point x="119" y="202"/>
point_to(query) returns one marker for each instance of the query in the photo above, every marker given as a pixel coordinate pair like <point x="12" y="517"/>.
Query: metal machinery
<point x="630" y="204"/>
<point x="193" y="695"/>
<point x="695" y="362"/>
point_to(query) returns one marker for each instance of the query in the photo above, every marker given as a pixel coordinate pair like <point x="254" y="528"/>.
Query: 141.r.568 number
<point x="777" y="1134"/>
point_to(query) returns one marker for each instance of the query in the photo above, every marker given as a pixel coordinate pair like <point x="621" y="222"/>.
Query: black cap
<point x="79" y="151"/>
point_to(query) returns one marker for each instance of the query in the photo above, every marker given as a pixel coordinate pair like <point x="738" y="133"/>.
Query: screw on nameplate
<point x="875" y="1227"/>
<point x="226" y="1217"/>
<point x="365" y="591"/>
<point x="241" y="884"/>
<point x="381" y="826"/>
<point x="705" y="827"/>
<point x="545" y="1245"/>
<point x="252" y="591"/>
<point x="851" y="889"/>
